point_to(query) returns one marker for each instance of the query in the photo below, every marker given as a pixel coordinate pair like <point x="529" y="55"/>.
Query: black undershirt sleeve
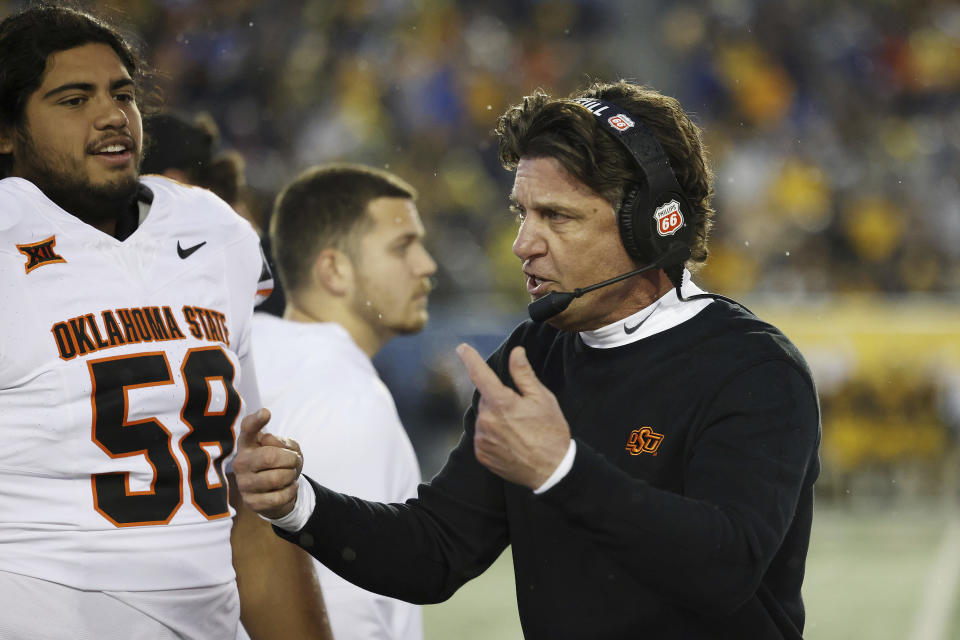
<point x="709" y="547"/>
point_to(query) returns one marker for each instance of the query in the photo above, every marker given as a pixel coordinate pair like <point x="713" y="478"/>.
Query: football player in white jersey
<point x="350" y="254"/>
<point x="124" y="368"/>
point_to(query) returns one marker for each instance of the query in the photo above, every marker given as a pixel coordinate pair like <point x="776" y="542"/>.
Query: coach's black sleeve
<point x="708" y="548"/>
<point x="420" y="551"/>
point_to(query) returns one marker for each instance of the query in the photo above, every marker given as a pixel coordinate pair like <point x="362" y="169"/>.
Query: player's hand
<point x="521" y="437"/>
<point x="266" y="467"/>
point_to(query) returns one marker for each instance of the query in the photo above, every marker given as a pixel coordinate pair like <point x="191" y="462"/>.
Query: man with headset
<point x="647" y="450"/>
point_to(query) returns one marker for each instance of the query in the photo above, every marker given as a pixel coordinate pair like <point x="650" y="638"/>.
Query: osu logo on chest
<point x="644" y="440"/>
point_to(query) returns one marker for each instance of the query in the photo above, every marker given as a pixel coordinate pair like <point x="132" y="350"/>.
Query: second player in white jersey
<point x="324" y="392"/>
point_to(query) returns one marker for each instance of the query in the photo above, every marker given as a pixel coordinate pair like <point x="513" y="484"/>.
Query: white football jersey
<point x="121" y="389"/>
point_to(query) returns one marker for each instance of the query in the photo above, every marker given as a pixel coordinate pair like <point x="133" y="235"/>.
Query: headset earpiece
<point x="627" y="220"/>
<point x="655" y="215"/>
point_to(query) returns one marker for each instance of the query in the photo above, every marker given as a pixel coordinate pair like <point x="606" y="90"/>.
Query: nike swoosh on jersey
<point x="186" y="253"/>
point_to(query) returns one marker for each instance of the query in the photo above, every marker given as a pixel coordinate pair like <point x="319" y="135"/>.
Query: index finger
<point x="250" y="429"/>
<point x="482" y="376"/>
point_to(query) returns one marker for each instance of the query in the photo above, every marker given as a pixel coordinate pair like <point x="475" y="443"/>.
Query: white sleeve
<point x="249" y="394"/>
<point x="247" y="274"/>
<point x="244" y="277"/>
<point x="562" y="469"/>
<point x="302" y="508"/>
<point x="248" y="388"/>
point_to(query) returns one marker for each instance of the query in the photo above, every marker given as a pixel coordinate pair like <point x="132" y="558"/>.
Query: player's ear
<point x="333" y="271"/>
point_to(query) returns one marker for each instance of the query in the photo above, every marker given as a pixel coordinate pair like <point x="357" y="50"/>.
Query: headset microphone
<point x="556" y="302"/>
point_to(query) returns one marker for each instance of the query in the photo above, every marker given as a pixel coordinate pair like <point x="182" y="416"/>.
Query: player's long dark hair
<point x="28" y="37"/>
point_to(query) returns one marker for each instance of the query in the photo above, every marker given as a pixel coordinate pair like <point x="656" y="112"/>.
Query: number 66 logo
<point x="669" y="219"/>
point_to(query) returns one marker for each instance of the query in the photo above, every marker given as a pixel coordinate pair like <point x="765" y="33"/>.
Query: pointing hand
<point x="520" y="435"/>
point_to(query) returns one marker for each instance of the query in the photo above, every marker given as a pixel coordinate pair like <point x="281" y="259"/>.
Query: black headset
<point x="655" y="217"/>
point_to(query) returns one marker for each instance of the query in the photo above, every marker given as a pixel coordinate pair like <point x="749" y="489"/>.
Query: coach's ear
<point x="333" y="271"/>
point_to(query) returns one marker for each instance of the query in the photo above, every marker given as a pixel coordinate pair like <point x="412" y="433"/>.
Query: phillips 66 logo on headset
<point x="668" y="217"/>
<point x="620" y="122"/>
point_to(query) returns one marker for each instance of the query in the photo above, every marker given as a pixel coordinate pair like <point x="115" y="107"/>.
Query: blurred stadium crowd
<point x="834" y="128"/>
